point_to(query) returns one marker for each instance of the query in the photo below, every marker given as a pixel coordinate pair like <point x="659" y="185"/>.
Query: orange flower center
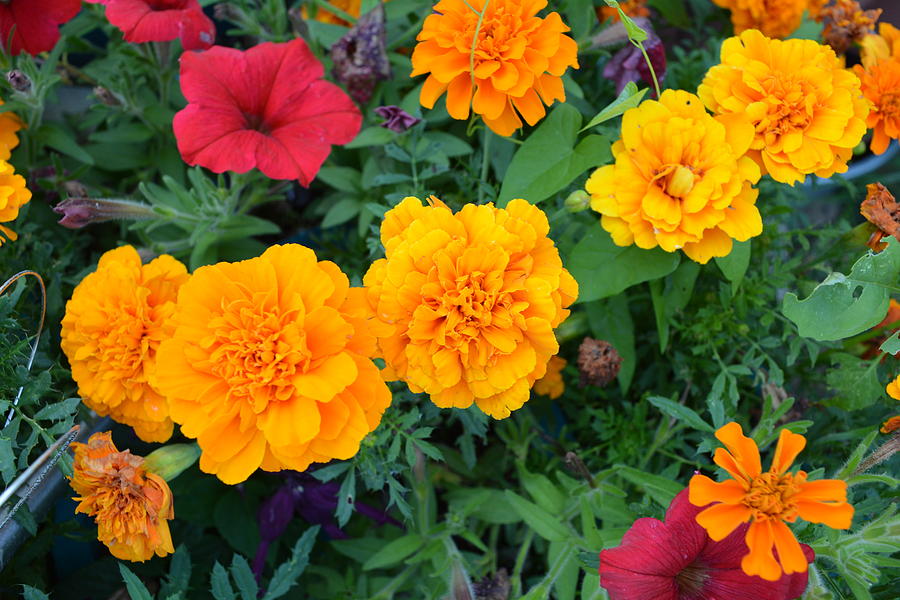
<point x="791" y="104"/>
<point x="257" y="351"/>
<point x="889" y="104"/>
<point x="499" y="35"/>
<point x="771" y="496"/>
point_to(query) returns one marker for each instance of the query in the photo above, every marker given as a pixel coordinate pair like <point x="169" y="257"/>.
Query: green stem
<point x="485" y="162"/>
<point x="520" y="563"/>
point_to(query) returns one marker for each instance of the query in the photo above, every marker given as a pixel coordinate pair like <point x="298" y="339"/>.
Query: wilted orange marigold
<point x="268" y="366"/>
<point x="891" y="425"/>
<point x="471" y="299"/>
<point x="881" y="87"/>
<point x="13" y="195"/>
<point x="680" y="180"/>
<point x="768" y="500"/>
<point x="510" y="60"/>
<point x="807" y="110"/>
<point x="131" y="505"/>
<point x="775" y="18"/>
<point x="111" y="332"/>
<point x="552" y="384"/>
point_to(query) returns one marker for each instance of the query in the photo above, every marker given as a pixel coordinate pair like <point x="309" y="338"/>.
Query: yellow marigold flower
<point x="510" y="60"/>
<point x="884" y="45"/>
<point x="893" y="388"/>
<point x="268" y="366"/>
<point x="13" y="195"/>
<point x="808" y="111"/>
<point x="632" y="8"/>
<point x="680" y="179"/>
<point x="472" y="299"/>
<point x="131" y="505"/>
<point x="768" y="500"/>
<point x="111" y="332"/>
<point x="881" y="86"/>
<point x="9" y="125"/>
<point x="552" y="384"/>
<point x="891" y="425"/>
<point x="775" y="18"/>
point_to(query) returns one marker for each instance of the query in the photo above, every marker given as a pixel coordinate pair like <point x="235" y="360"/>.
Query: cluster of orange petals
<point x="268" y="365"/>
<point x="497" y="63"/>
<point x="880" y="77"/>
<point x="552" y="384"/>
<point x="111" y="332"/>
<point x="891" y="425"/>
<point x="469" y="301"/>
<point x="775" y="18"/>
<point x="131" y="505"/>
<point x="632" y="8"/>
<point x="808" y="111"/>
<point x="768" y="500"/>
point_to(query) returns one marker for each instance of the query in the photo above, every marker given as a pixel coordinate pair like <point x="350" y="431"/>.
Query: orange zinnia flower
<point x="881" y="86"/>
<point x="469" y="301"/>
<point x="775" y="18"/>
<point x="130" y="504"/>
<point x="552" y="384"/>
<point x="113" y="326"/>
<point x="768" y="500"/>
<point x="268" y="365"/>
<point x="808" y="111"/>
<point x="505" y="61"/>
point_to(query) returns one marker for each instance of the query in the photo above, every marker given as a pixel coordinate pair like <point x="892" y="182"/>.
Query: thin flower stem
<point x="516" y="576"/>
<point x="650" y="66"/>
<point x="475" y="41"/>
<point x="485" y="162"/>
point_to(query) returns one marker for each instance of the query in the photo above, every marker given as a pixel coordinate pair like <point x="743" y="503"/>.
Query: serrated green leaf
<point x="220" y="584"/>
<point x="243" y="578"/>
<point x="136" y="588"/>
<point x="287" y="573"/>
<point x="542" y="490"/>
<point x="855" y="381"/>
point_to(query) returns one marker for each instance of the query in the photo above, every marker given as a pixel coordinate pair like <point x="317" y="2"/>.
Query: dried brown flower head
<point x="880" y="209"/>
<point x="846" y="23"/>
<point x="598" y="362"/>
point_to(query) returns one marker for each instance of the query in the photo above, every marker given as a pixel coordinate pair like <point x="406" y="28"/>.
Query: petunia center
<point x="771" y="495"/>
<point x="256" y="123"/>
<point x="690" y="580"/>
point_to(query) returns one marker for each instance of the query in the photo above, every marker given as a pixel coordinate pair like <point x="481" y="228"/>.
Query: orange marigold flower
<point x="883" y="46"/>
<point x="775" y="18"/>
<point x="13" y="195"/>
<point x="510" y="60"/>
<point x="893" y="388"/>
<point x="9" y="125"/>
<point x="881" y="86"/>
<point x="768" y="500"/>
<point x="111" y="332"/>
<point x="130" y="504"/>
<point x="268" y="366"/>
<point x="891" y="425"/>
<point x="471" y="299"/>
<point x="680" y="180"/>
<point x="552" y="384"/>
<point x="632" y="8"/>
<point x="808" y="111"/>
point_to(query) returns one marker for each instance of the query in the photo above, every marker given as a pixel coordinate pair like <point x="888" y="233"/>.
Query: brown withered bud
<point x="360" y="57"/>
<point x="598" y="362"/>
<point x="298" y="23"/>
<point x="80" y="211"/>
<point x="223" y="11"/>
<point x="493" y="588"/>
<point x="106" y="97"/>
<point x="19" y="81"/>
<point x="846" y="23"/>
<point x="881" y="210"/>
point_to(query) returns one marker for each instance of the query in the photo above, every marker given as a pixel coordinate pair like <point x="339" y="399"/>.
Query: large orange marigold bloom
<point x="882" y="46"/>
<point x="131" y="505"/>
<point x="808" y="111"/>
<point x="775" y="18"/>
<point x="472" y="299"/>
<point x="881" y="86"/>
<point x="680" y="180"/>
<point x="111" y="332"/>
<point x="13" y="195"/>
<point x="510" y="60"/>
<point x="768" y="500"/>
<point x="268" y="366"/>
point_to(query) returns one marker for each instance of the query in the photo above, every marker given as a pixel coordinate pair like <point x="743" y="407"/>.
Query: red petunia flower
<point x="161" y="21"/>
<point x="32" y="26"/>
<point x="677" y="560"/>
<point x="267" y="107"/>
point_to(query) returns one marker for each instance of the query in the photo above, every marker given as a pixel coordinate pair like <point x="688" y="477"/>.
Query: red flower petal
<point x="140" y="22"/>
<point x="34" y="24"/>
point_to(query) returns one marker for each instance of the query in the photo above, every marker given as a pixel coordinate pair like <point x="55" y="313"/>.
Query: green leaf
<point x="542" y="490"/>
<point x="681" y="413"/>
<point x="7" y="460"/>
<point x="629" y="97"/>
<point x="395" y="552"/>
<point x="543" y="523"/>
<point x="179" y="577"/>
<point x="30" y="593"/>
<point x="659" y="313"/>
<point x="610" y="320"/>
<point x="659" y="488"/>
<point x="371" y="136"/>
<point x="566" y="584"/>
<point x="341" y="212"/>
<point x="734" y="265"/>
<point x="855" y="381"/>
<point x="287" y="573"/>
<point x="549" y="160"/>
<point x="844" y="305"/>
<point x="344" y="179"/>
<point x="856" y="456"/>
<point x="60" y="140"/>
<point x="136" y="588"/>
<point x="243" y="577"/>
<point x="892" y="344"/>
<point x="672" y="11"/>
<point x="220" y="584"/>
<point x="449" y="144"/>
<point x="236" y="521"/>
<point x="603" y="269"/>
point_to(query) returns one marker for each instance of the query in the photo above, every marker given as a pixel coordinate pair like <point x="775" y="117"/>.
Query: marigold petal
<point x="790" y="555"/>
<point x="704" y="490"/>
<point x="743" y="449"/>
<point x="835" y="515"/>
<point x="760" y="561"/>
<point x="721" y="519"/>
<point x="789" y="445"/>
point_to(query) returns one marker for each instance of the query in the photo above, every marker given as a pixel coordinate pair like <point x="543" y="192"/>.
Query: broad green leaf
<point x="543" y="523"/>
<point x="550" y="159"/>
<point x="734" y="265"/>
<point x="855" y="381"/>
<point x="844" y="305"/>
<point x="629" y="97"/>
<point x="659" y="488"/>
<point x="610" y="320"/>
<point x="542" y="490"/>
<point x="449" y="144"/>
<point x="603" y="269"/>
<point x="136" y="588"/>
<point x="372" y="136"/>
<point x="344" y="179"/>
<point x="681" y="412"/>
<point x="341" y="211"/>
<point x="394" y="552"/>
<point x="60" y="140"/>
<point x="892" y="344"/>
